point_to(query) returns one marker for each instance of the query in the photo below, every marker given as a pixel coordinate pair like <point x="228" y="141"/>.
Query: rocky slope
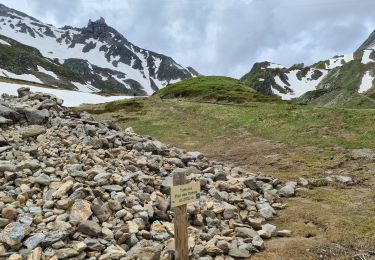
<point x="344" y="80"/>
<point x="73" y="187"/>
<point x="93" y="58"/>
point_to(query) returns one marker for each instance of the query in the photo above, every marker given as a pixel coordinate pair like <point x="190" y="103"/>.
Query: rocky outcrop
<point x="74" y="187"/>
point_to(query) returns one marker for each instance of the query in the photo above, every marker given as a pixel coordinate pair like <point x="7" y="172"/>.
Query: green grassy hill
<point x="213" y="89"/>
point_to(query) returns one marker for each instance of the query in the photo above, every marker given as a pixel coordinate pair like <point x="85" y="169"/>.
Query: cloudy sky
<point x="223" y="37"/>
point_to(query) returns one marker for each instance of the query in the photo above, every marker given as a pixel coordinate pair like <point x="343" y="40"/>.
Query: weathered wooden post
<point x="180" y="222"/>
<point x="182" y="193"/>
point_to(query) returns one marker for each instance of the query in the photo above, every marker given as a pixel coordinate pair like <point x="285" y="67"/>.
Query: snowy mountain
<point x="93" y="58"/>
<point x="344" y="80"/>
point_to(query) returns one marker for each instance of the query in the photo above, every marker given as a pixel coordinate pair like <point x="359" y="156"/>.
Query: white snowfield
<point x="366" y="56"/>
<point x="71" y="98"/>
<point x="299" y="87"/>
<point x="51" y="48"/>
<point x="50" y="73"/>
<point x="27" y="77"/>
<point x="366" y="83"/>
<point x="4" y="42"/>
<point x="339" y="61"/>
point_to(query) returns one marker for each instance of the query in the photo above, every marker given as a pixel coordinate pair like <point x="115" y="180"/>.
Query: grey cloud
<point x="223" y="37"/>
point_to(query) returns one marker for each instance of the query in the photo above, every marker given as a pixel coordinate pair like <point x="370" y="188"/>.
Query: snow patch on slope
<point x="4" y="42"/>
<point x="27" y="77"/>
<point x="366" y="83"/>
<point x="51" y="73"/>
<point x="298" y="86"/>
<point x="339" y="61"/>
<point x="366" y="56"/>
<point x="71" y="98"/>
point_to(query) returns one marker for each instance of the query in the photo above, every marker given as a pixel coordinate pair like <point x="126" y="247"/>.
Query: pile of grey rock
<point x="75" y="188"/>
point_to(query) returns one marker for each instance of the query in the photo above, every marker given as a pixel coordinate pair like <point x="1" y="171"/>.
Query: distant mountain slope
<point x="100" y="58"/>
<point x="344" y="80"/>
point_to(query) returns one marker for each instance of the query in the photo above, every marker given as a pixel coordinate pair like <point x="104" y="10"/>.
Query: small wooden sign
<point x="184" y="194"/>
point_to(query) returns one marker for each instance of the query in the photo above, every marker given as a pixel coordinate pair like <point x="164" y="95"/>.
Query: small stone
<point x="36" y="254"/>
<point x="15" y="256"/>
<point x="80" y="211"/>
<point x="94" y="244"/>
<point x="64" y="253"/>
<point x="365" y="153"/>
<point x="102" y="176"/>
<point x="53" y="237"/>
<point x="9" y="213"/>
<point x="267" y="231"/>
<point x="258" y="242"/>
<point x="265" y="210"/>
<point x="240" y="253"/>
<point x="115" y="252"/>
<point x="213" y="250"/>
<point x="198" y="220"/>
<point x="344" y="179"/>
<point x="36" y="117"/>
<point x="132" y="226"/>
<point x="32" y="131"/>
<point x="288" y="190"/>
<point x="112" y="187"/>
<point x="303" y="182"/>
<point x="223" y="245"/>
<point x="4" y="222"/>
<point x="43" y="179"/>
<point x="80" y="246"/>
<point x="5" y="122"/>
<point x="33" y="241"/>
<point x="6" y="166"/>
<point x="64" y="188"/>
<point x="24" y="91"/>
<point x="9" y="113"/>
<point x="13" y="234"/>
<point x="284" y="233"/>
<point x="175" y="161"/>
<point x="90" y="228"/>
<point x="29" y="164"/>
<point x="114" y="205"/>
<point x="245" y="232"/>
<point x="108" y="234"/>
<point x="64" y="203"/>
<point x="101" y="210"/>
<point x="58" y="245"/>
<point x="230" y="212"/>
<point x="256" y="223"/>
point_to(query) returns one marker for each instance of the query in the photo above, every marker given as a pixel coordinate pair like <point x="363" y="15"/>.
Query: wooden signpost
<point x="182" y="194"/>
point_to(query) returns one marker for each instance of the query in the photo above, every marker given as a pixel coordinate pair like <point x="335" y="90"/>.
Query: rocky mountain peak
<point x="114" y="64"/>
<point x="369" y="43"/>
<point x="100" y="29"/>
<point x="99" y="22"/>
